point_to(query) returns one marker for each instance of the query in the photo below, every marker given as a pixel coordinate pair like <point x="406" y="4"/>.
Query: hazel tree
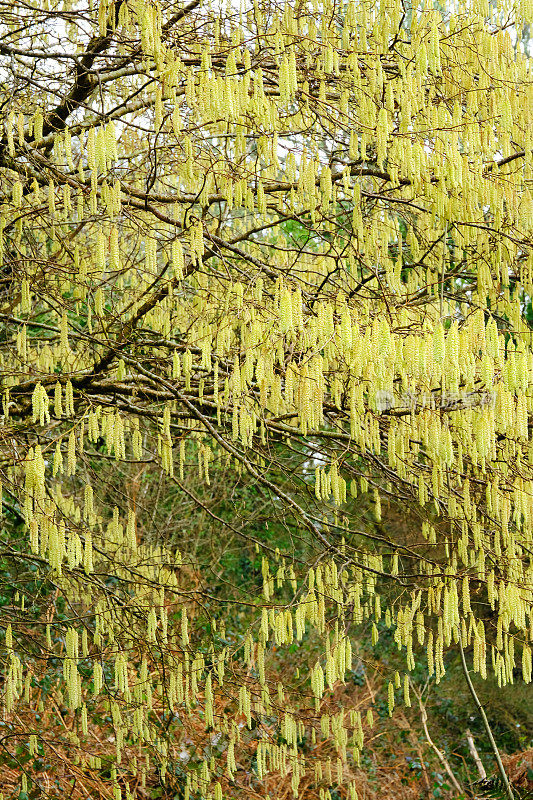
<point x="294" y="240"/>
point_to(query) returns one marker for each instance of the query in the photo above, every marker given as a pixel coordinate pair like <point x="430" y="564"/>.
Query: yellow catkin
<point x="187" y="276"/>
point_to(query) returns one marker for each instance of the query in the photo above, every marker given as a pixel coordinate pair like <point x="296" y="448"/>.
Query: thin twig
<point x="503" y="774"/>
<point x="438" y="753"/>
